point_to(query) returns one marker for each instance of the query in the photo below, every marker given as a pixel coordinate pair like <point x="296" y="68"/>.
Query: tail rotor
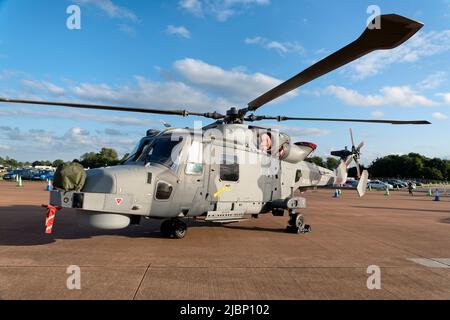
<point x="356" y="153"/>
<point x="347" y="157"/>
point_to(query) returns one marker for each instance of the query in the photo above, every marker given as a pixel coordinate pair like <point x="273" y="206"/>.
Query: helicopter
<point x="229" y="169"/>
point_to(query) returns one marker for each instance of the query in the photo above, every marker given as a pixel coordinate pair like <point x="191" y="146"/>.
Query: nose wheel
<point x="297" y="223"/>
<point x="173" y="228"/>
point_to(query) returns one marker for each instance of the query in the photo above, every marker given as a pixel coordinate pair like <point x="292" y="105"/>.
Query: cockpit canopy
<point x="163" y="150"/>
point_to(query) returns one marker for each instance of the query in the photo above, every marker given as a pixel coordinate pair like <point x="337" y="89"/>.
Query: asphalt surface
<point x="408" y="238"/>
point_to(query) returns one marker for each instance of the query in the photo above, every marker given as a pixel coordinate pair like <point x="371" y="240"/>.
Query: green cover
<point x="69" y="177"/>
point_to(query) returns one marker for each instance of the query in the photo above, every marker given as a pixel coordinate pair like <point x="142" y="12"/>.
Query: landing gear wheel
<point x="166" y="228"/>
<point x="297" y="220"/>
<point x="179" y="229"/>
<point x="297" y="224"/>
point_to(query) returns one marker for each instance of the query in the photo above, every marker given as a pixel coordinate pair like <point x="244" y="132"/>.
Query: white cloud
<point x="445" y="97"/>
<point x="114" y="132"/>
<point x="239" y="86"/>
<point x="7" y="74"/>
<point x="377" y="114"/>
<point x="148" y="94"/>
<point x="402" y="96"/>
<point x="5" y="147"/>
<point x="44" y="86"/>
<point x="111" y="9"/>
<point x="81" y="141"/>
<point x="76" y="115"/>
<point x="74" y="142"/>
<point x="222" y="10"/>
<point x="14" y="134"/>
<point x="77" y="136"/>
<point x="181" y="31"/>
<point x="433" y="81"/>
<point x="421" y="45"/>
<point x="11" y="133"/>
<point x="280" y="47"/>
<point x="194" y="85"/>
<point x="193" y="6"/>
<point x="440" y="116"/>
<point x="128" y="30"/>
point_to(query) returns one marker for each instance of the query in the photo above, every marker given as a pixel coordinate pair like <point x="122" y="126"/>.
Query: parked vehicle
<point x="396" y="184"/>
<point x="43" y="175"/>
<point x="28" y="174"/>
<point x="418" y="184"/>
<point x="403" y="182"/>
<point x="379" y="185"/>
<point x="11" y="175"/>
<point x="351" y="184"/>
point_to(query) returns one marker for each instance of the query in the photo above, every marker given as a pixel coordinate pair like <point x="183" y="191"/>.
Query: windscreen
<point x="137" y="151"/>
<point x="157" y="150"/>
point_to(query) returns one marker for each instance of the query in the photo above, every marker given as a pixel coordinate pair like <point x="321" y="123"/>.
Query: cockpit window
<point x="162" y="151"/>
<point x="137" y="151"/>
<point x="194" y="164"/>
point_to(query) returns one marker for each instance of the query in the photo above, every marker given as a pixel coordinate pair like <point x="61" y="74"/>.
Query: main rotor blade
<point x="183" y="113"/>
<point x="394" y="31"/>
<point x="351" y="137"/>
<point x="282" y="118"/>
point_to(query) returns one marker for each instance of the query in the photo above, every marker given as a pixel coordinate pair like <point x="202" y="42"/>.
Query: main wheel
<point x="179" y="229"/>
<point x="297" y="220"/>
<point x="296" y="223"/>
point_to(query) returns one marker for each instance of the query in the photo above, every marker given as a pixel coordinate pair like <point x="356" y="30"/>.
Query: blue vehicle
<point x="27" y="174"/>
<point x="351" y="184"/>
<point x="11" y="175"/>
<point x="43" y="175"/>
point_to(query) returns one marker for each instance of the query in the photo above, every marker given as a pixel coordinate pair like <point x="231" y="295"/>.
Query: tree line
<point x="409" y="166"/>
<point x="105" y="157"/>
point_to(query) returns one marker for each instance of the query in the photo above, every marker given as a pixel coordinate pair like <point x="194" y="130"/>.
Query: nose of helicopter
<point x="111" y="196"/>
<point x="116" y="180"/>
<point x="102" y="180"/>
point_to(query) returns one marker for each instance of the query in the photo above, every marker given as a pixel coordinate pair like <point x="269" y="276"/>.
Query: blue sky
<point x="210" y="54"/>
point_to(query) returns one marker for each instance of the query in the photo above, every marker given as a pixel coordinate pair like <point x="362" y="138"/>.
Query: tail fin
<point x="341" y="173"/>
<point x="362" y="185"/>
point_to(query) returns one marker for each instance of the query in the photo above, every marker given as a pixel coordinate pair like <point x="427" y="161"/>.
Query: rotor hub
<point x="234" y="115"/>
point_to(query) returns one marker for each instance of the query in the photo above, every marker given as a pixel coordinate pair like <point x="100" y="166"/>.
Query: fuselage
<point x="224" y="170"/>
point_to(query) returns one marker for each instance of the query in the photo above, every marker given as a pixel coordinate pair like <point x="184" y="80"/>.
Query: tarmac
<point x="407" y="238"/>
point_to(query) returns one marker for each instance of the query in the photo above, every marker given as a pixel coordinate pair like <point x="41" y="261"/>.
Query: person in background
<point x="410" y="188"/>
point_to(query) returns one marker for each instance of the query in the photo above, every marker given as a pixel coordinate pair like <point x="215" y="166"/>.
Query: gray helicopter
<point x="229" y="169"/>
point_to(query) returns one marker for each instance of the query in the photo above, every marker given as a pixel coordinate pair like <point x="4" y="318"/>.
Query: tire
<point x="179" y="229"/>
<point x="297" y="220"/>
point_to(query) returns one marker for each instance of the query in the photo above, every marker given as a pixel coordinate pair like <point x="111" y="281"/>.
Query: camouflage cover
<point x="69" y="177"/>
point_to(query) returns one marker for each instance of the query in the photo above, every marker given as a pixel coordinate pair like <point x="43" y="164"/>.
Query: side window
<point x="229" y="168"/>
<point x="298" y="176"/>
<point x="163" y="190"/>
<point x="194" y="165"/>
